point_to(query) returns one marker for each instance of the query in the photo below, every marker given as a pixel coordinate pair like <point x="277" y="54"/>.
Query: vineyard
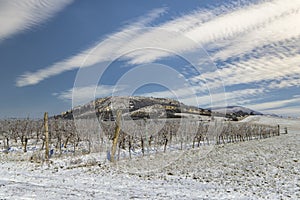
<point x="121" y="139"/>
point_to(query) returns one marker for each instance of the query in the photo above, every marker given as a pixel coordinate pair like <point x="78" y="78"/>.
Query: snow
<point x="234" y="109"/>
<point x="293" y="124"/>
<point x="257" y="169"/>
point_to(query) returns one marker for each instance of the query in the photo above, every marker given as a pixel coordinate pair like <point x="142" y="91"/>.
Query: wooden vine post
<point x="116" y="136"/>
<point x="46" y="136"/>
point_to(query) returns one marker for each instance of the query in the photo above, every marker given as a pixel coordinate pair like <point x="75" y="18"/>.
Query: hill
<point x="134" y="107"/>
<point x="137" y="107"/>
<point x="234" y="112"/>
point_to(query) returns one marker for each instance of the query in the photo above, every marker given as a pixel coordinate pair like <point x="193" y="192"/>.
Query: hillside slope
<point x="134" y="107"/>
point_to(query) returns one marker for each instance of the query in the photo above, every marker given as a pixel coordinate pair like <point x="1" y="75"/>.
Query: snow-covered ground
<point x="257" y="169"/>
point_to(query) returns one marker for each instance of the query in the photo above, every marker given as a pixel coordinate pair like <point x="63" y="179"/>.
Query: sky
<point x="57" y="54"/>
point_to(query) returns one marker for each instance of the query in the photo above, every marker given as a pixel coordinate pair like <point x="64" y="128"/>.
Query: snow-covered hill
<point x="235" y="109"/>
<point x="135" y="107"/>
<point x="291" y="124"/>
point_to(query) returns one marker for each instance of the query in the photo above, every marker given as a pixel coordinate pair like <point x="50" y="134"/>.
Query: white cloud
<point x="82" y="95"/>
<point x="286" y="82"/>
<point x="94" y="54"/>
<point x="236" y="97"/>
<point x="292" y="111"/>
<point x="255" y="70"/>
<point x="280" y="29"/>
<point x="275" y="104"/>
<point x="18" y="15"/>
<point x="242" y="21"/>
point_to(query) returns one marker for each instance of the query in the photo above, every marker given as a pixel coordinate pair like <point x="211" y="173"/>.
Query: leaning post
<point x="116" y="135"/>
<point x="46" y="136"/>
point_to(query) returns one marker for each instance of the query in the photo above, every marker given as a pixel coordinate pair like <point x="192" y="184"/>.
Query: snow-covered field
<point x="257" y="169"/>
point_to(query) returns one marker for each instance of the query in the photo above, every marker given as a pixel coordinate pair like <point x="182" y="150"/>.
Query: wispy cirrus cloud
<point x="17" y="16"/>
<point x="225" y="27"/>
<point x="290" y="111"/>
<point x="255" y="70"/>
<point x="286" y="82"/>
<point x="233" y="30"/>
<point x="107" y="51"/>
<point x="278" y="104"/>
<point x="276" y="31"/>
<point x="83" y="94"/>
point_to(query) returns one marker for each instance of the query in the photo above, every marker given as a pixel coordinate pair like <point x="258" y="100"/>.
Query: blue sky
<point x="204" y="53"/>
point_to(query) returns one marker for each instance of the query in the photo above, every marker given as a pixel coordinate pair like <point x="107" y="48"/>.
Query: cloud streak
<point x="275" y="104"/>
<point x="18" y="16"/>
<point x="95" y="55"/>
<point x="83" y="94"/>
<point x="255" y="70"/>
